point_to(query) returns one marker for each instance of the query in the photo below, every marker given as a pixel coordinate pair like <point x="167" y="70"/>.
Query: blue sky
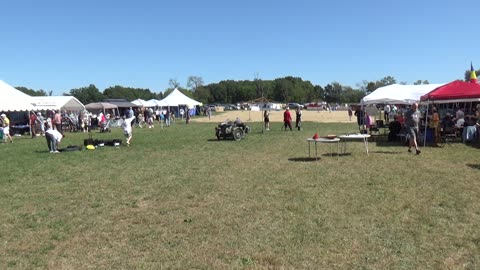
<point x="60" y="45"/>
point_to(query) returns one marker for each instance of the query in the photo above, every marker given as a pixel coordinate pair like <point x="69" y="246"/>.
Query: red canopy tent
<point x="456" y="91"/>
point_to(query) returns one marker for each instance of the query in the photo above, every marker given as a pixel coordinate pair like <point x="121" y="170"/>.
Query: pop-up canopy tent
<point x="62" y="103"/>
<point x="12" y="99"/>
<point x="100" y="106"/>
<point x="456" y="91"/>
<point x="398" y="94"/>
<point x="177" y="98"/>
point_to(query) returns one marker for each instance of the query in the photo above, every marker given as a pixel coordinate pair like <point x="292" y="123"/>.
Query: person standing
<point x="266" y="119"/>
<point x="287" y="119"/>
<point x="412" y="118"/>
<point x="6" y="128"/>
<point x="386" y="113"/>
<point x="33" y="123"/>
<point x="209" y="113"/>
<point x="435" y="124"/>
<point x="360" y="114"/>
<point x="187" y="118"/>
<point x="167" y="117"/>
<point x="298" y="118"/>
<point x="41" y="123"/>
<point x="57" y="120"/>
<point x="350" y="113"/>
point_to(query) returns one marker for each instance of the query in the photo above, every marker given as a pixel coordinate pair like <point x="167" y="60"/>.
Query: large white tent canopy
<point x="177" y="98"/>
<point x="68" y="103"/>
<point x="398" y="94"/>
<point x="12" y="99"/>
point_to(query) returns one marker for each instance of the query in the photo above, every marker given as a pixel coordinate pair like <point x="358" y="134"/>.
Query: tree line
<point x="286" y="89"/>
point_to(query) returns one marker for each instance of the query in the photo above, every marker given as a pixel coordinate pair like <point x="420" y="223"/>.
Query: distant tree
<point x="259" y="86"/>
<point x="173" y="83"/>
<point x="194" y="82"/>
<point x="32" y="92"/>
<point x="350" y="95"/>
<point x="333" y="92"/>
<point x="203" y="94"/>
<point x="128" y="93"/>
<point x="369" y="87"/>
<point x="86" y="94"/>
<point x="419" y="82"/>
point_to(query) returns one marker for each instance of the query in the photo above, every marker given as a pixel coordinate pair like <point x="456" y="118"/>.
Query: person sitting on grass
<point x="127" y="128"/>
<point x="54" y="137"/>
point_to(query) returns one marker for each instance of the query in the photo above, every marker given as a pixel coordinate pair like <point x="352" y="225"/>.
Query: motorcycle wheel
<point x="238" y="134"/>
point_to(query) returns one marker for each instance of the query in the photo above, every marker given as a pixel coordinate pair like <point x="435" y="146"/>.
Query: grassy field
<point x="179" y="199"/>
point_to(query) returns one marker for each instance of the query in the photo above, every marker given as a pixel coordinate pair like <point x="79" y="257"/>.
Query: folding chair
<point x="447" y="136"/>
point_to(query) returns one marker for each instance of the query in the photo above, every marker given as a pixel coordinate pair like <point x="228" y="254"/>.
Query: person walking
<point x="6" y="128"/>
<point x="412" y="118"/>
<point x="127" y="128"/>
<point x="287" y="119"/>
<point x="298" y="118"/>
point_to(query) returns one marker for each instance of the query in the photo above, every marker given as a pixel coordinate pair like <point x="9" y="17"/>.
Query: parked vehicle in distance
<point x="293" y="105"/>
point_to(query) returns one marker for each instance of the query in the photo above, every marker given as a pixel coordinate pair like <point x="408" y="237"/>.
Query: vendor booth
<point x="398" y="94"/>
<point x="57" y="103"/>
<point x="455" y="95"/>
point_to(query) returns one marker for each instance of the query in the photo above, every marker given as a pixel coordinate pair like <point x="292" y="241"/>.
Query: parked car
<point x="293" y="105"/>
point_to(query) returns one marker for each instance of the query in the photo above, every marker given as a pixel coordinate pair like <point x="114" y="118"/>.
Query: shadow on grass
<point x="304" y="159"/>
<point x="221" y="140"/>
<point x="388" y="144"/>
<point x="386" y="152"/>
<point x="474" y="166"/>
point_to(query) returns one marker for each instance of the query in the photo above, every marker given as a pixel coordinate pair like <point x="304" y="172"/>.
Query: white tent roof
<point x="69" y="103"/>
<point x="12" y="99"/>
<point x="177" y="98"/>
<point x="156" y="102"/>
<point x="143" y="103"/>
<point x="398" y="94"/>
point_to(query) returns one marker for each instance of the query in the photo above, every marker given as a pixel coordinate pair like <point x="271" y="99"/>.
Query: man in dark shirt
<point x="412" y="118"/>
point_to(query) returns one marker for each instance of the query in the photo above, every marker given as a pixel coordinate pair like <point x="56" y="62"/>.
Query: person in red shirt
<point x="57" y="120"/>
<point x="287" y="119"/>
<point x="33" y="120"/>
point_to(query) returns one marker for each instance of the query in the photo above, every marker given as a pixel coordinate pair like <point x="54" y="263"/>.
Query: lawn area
<point x="179" y="199"/>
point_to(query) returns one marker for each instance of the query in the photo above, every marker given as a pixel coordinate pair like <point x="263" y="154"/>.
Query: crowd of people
<point x="408" y="122"/>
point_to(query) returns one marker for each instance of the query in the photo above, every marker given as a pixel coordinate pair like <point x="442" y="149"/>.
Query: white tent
<point x="398" y="94"/>
<point x="156" y="102"/>
<point x="12" y="99"/>
<point x="68" y="103"/>
<point x="177" y="98"/>
<point x="143" y="103"/>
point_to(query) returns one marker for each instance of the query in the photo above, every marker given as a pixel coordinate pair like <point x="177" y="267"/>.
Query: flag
<point x="473" y="75"/>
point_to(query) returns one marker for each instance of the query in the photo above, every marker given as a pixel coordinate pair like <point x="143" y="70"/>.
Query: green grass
<point x="179" y="199"/>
